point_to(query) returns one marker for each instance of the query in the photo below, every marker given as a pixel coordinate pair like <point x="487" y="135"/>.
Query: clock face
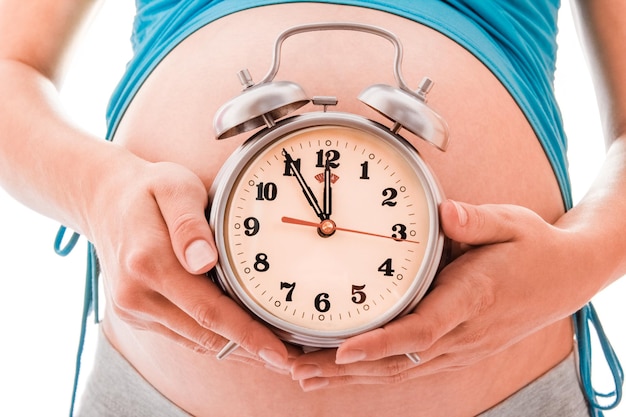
<point x="328" y="231"/>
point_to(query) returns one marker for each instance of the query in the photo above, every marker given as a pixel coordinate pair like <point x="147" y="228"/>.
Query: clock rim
<point x="228" y="175"/>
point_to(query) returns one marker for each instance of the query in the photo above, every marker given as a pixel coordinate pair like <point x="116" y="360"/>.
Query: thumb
<point x="479" y="224"/>
<point x="182" y="207"/>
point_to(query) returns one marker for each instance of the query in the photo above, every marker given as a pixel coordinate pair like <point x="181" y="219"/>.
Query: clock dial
<point x="329" y="231"/>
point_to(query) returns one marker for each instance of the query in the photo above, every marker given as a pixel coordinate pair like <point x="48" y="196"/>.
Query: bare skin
<point x="516" y="170"/>
<point x="521" y="268"/>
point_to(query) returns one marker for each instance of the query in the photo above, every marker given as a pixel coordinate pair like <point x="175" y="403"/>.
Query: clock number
<point x="365" y="171"/>
<point x="386" y="268"/>
<point x="331" y="155"/>
<point x="288" y="171"/>
<point x="291" y="286"/>
<point x="261" y="263"/>
<point x="321" y="302"/>
<point x="392" y="193"/>
<point x="266" y="191"/>
<point x="400" y="229"/>
<point x="252" y="226"/>
<point x="358" y="294"/>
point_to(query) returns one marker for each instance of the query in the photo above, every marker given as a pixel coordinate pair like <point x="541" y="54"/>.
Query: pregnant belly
<point x="493" y="157"/>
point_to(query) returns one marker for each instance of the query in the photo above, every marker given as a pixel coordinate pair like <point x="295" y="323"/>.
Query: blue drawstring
<point x="584" y="320"/>
<point x="90" y="298"/>
<point x="58" y="240"/>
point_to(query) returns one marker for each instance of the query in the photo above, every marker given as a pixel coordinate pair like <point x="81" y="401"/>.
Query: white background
<point x="41" y="293"/>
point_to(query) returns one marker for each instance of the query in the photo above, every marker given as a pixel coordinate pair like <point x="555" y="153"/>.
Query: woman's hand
<point x="516" y="275"/>
<point x="147" y="222"/>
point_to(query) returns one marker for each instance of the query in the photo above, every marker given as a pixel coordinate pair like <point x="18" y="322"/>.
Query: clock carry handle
<point x="262" y="103"/>
<point x="357" y="27"/>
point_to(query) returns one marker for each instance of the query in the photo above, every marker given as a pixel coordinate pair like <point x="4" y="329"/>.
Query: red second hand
<point x="291" y="220"/>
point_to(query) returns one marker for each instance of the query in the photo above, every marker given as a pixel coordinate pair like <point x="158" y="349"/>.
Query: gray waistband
<point x="557" y="393"/>
<point x="116" y="389"/>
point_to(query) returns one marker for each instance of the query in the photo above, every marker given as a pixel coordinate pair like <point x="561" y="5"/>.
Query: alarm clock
<point x="326" y="223"/>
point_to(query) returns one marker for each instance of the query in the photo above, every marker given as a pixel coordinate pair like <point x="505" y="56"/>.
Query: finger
<point x="480" y="225"/>
<point x="154" y="312"/>
<point x="213" y="311"/>
<point x="450" y="303"/>
<point x="381" y="372"/>
<point x="185" y="338"/>
<point x="182" y="202"/>
<point x="322" y="364"/>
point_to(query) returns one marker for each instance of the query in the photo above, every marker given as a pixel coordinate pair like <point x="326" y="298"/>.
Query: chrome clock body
<point x="326" y="223"/>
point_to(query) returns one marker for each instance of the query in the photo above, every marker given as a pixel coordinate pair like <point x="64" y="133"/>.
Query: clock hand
<point x="328" y="191"/>
<point x="327" y="227"/>
<point x="305" y="188"/>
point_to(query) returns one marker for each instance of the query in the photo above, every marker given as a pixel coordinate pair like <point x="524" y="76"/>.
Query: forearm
<point x="45" y="162"/>
<point x="597" y="222"/>
<point x="600" y="214"/>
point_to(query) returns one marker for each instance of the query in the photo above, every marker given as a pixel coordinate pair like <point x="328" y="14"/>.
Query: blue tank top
<point x="515" y="40"/>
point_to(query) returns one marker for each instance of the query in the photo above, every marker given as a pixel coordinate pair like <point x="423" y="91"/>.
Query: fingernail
<point x="350" y="356"/>
<point x="273" y="358"/>
<point x="199" y="255"/>
<point x="306" y="371"/>
<point x="313" y="384"/>
<point x="460" y="212"/>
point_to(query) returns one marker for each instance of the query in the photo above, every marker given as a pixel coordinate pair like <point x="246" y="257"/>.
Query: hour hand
<point x="305" y="188"/>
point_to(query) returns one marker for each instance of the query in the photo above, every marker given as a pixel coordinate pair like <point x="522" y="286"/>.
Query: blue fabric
<point x="516" y="40"/>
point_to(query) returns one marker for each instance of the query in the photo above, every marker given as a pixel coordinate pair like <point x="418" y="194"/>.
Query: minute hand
<point x="305" y="188"/>
<point x="328" y="191"/>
